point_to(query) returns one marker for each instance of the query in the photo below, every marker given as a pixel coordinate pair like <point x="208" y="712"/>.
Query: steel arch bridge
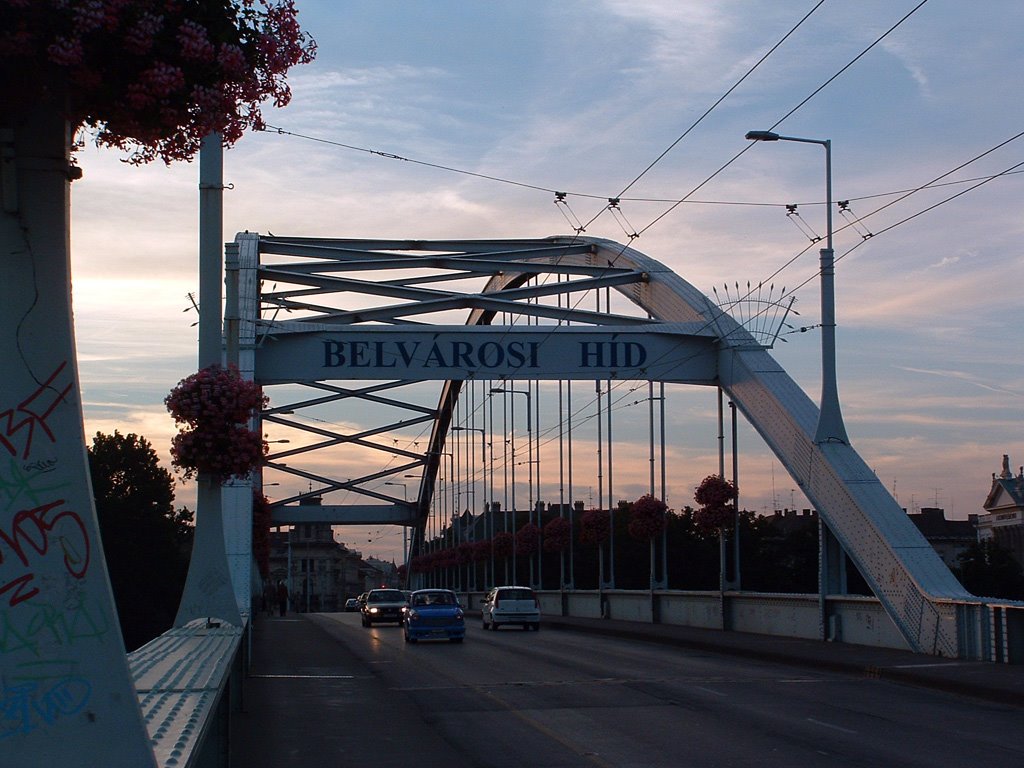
<point x="387" y="314"/>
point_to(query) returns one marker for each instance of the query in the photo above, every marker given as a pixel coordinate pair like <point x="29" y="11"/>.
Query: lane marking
<point x="304" y="677"/>
<point x="830" y="725"/>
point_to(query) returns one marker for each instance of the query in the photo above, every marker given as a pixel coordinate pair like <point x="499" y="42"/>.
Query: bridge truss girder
<point x="426" y="280"/>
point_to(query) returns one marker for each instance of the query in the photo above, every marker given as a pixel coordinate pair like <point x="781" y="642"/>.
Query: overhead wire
<point x="612" y="205"/>
<point x="677" y="202"/>
<point x="788" y="114"/>
<point x="720" y="99"/>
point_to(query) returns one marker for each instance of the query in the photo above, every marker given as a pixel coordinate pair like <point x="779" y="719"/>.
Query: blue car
<point x="434" y="614"/>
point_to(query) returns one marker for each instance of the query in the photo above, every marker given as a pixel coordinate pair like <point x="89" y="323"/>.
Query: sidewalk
<point x="998" y="683"/>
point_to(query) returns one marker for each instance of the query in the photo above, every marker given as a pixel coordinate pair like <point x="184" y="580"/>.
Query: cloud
<point x="910" y="58"/>
<point x="945" y="261"/>
<point x="964" y="376"/>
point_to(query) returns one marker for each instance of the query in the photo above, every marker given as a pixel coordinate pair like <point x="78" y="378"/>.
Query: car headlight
<point x="458" y="614"/>
<point x="374" y="610"/>
<point x="413" y="616"/>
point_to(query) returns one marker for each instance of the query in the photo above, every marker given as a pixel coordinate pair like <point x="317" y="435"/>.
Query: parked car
<point x="434" y="614"/>
<point x="511" y="605"/>
<point x="383" y="605"/>
<point x="352" y="605"/>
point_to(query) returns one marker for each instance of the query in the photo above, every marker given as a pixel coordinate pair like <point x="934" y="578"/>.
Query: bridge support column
<point x="831" y="580"/>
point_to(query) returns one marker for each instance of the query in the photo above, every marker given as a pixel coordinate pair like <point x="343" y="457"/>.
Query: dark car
<point x="434" y="614"/>
<point x="383" y="605"/>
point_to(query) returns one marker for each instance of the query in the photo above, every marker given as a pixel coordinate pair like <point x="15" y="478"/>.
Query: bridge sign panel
<point x="679" y="352"/>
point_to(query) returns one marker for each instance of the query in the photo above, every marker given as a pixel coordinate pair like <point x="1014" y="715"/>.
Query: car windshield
<point x="386" y="596"/>
<point x="434" y="598"/>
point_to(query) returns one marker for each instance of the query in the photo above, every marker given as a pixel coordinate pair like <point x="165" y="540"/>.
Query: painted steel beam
<point x="344" y="514"/>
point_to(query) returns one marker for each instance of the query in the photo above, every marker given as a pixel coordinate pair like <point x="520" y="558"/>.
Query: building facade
<point x="318" y="572"/>
<point x="1004" y="508"/>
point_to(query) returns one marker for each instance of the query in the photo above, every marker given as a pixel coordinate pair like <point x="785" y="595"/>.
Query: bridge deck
<point x="287" y="722"/>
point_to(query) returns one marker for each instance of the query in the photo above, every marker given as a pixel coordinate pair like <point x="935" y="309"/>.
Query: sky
<point x="583" y="97"/>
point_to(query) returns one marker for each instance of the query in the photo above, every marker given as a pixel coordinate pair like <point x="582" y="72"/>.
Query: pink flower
<point x="595" y="527"/>
<point x="232" y="61"/>
<point x="194" y="42"/>
<point x="66" y="51"/>
<point x="235" y="53"/>
<point x="557" y="535"/>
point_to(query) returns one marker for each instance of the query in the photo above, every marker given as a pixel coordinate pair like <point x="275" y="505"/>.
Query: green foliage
<point x="146" y="541"/>
<point x="989" y="570"/>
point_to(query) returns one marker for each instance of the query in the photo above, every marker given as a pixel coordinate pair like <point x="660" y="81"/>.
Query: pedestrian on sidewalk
<point x="282" y="598"/>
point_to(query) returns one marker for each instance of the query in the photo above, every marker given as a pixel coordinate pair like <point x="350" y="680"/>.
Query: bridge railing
<point x="187" y="680"/>
<point x="998" y="626"/>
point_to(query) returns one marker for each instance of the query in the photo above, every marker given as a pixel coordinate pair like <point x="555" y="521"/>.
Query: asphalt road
<point x="351" y="696"/>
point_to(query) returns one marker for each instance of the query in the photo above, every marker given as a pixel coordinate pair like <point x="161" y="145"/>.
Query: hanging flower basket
<point x="211" y="407"/>
<point x="464" y="553"/>
<point x="153" y="77"/>
<point x="715" y="491"/>
<point x="595" y="527"/>
<point x="214" y="396"/>
<point x="481" y="551"/>
<point x="503" y="545"/>
<point x="446" y="558"/>
<point x="557" y="535"/>
<point x="647" y="518"/>
<point x="230" y="452"/>
<point x="527" y="539"/>
<point x="716" y="495"/>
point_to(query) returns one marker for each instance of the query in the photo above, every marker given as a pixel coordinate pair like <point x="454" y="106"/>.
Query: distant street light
<point x="529" y="437"/>
<point x="830" y="428"/>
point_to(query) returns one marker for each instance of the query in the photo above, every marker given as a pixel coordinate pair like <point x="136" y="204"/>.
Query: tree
<point x="989" y="570"/>
<point x="145" y="540"/>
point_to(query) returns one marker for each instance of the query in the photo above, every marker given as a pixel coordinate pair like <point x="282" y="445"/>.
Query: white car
<point x="511" y="605"/>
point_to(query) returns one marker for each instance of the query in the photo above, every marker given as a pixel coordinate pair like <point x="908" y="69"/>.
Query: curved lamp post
<point x="830" y="427"/>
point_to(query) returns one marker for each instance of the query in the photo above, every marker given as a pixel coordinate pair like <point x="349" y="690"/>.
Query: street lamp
<point x="483" y="438"/>
<point x="529" y="434"/>
<point x="405" y="497"/>
<point x="483" y="461"/>
<point x="529" y="455"/>
<point x="830" y="427"/>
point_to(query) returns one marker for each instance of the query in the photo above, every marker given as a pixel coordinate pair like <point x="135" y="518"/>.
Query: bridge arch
<point x="389" y="335"/>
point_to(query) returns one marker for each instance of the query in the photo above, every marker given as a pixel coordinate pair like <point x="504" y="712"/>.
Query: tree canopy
<point x="145" y="540"/>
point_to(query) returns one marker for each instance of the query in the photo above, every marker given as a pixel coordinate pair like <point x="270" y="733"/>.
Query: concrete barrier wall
<point x="774" y="614"/>
<point x="850" y="619"/>
<point x="863" y="621"/>
<point x="690" y="609"/>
